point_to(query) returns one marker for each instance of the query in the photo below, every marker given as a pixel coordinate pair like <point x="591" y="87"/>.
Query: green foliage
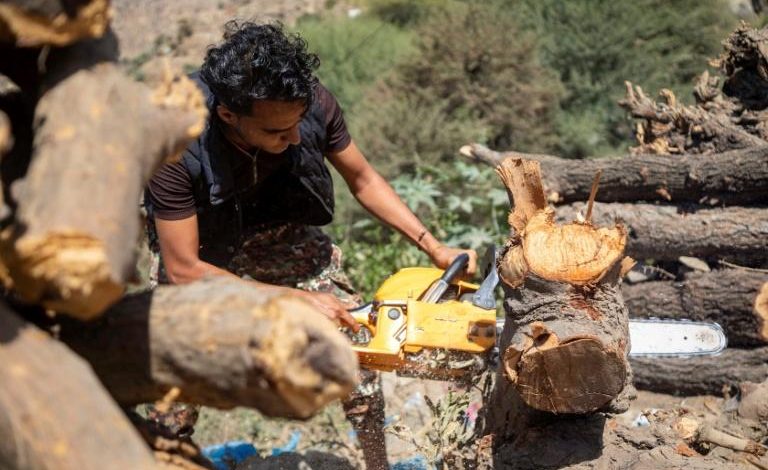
<point x="595" y="45"/>
<point x="404" y="13"/>
<point x="474" y="76"/>
<point x="354" y="52"/>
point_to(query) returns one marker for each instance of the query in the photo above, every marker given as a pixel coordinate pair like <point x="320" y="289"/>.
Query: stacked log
<point x="693" y="197"/>
<point x="79" y="141"/>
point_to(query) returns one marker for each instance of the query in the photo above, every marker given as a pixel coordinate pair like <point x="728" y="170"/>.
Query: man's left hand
<point x="442" y="256"/>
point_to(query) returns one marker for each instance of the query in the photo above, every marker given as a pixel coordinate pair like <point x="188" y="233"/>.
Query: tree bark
<point x="223" y="343"/>
<point x="701" y="375"/>
<point x="565" y="341"/>
<point x="54" y="413"/>
<point x="661" y="232"/>
<point x="735" y="177"/>
<point x="52" y="22"/>
<point x="99" y="137"/>
<point x="736" y="299"/>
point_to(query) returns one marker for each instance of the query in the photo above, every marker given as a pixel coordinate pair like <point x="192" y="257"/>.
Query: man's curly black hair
<point x="256" y="62"/>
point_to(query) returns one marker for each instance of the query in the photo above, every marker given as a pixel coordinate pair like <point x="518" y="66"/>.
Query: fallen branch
<point x="693" y="431"/>
<point x="54" y="413"/>
<point x="99" y="137"/>
<point x="223" y="343"/>
<point x="735" y="177"/>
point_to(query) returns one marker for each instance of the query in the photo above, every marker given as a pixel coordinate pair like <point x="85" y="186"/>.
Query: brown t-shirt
<point x="170" y="189"/>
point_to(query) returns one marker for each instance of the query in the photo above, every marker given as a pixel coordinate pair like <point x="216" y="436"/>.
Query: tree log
<point x="52" y="22"/>
<point x="701" y="375"/>
<point x="736" y="299"/>
<point x="565" y="341"/>
<point x="54" y="413"/>
<point x="659" y="232"/>
<point x="735" y="177"/>
<point x="223" y="343"/>
<point x="99" y="137"/>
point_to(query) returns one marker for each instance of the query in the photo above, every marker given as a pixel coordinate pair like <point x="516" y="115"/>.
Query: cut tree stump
<point x="52" y="22"/>
<point x="565" y="341"/>
<point x="701" y="375"/>
<point x="54" y="413"/>
<point x="736" y="299"/>
<point x="224" y="343"/>
<point x="99" y="137"/>
<point x="734" y="177"/>
<point x="664" y="233"/>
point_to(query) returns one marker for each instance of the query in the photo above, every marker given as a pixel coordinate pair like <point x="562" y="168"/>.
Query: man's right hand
<point x="331" y="307"/>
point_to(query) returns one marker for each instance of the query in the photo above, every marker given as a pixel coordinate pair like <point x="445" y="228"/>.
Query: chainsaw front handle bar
<point x="439" y="287"/>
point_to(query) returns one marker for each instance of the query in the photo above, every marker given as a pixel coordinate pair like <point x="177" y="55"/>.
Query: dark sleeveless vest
<point x="300" y="191"/>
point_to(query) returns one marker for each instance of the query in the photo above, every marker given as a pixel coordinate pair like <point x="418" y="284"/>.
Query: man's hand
<point x="442" y="256"/>
<point x="331" y="307"/>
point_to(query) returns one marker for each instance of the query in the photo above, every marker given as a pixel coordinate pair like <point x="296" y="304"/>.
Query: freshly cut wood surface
<point x="662" y="232"/>
<point x="565" y="340"/>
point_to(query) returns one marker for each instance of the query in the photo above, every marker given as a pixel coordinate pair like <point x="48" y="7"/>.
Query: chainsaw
<point x="429" y="323"/>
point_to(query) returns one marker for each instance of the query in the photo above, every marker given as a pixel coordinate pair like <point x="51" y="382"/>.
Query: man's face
<point x="272" y="125"/>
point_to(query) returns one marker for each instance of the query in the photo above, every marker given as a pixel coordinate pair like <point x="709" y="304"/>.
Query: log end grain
<point x="66" y="272"/>
<point x="549" y="374"/>
<point x="32" y="29"/>
<point x="576" y="253"/>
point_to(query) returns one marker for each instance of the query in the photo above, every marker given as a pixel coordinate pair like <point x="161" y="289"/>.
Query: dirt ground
<point x="327" y="440"/>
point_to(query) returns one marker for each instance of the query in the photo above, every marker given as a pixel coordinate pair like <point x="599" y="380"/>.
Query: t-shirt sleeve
<point x="170" y="192"/>
<point x="337" y="135"/>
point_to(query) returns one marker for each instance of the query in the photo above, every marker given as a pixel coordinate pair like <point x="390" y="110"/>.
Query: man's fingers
<point x="348" y="320"/>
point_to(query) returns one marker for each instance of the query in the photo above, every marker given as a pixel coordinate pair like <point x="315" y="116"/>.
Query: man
<point x="248" y="196"/>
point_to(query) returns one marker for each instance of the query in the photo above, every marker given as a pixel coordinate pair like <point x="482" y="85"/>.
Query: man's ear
<point x="226" y="115"/>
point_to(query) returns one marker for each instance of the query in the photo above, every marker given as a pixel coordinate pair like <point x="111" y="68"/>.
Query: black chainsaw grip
<point x="457" y="265"/>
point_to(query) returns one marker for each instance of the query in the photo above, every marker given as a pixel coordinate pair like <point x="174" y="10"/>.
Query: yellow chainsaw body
<point x="402" y="327"/>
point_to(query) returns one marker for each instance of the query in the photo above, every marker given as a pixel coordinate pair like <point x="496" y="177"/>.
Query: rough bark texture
<point x="223" y="343"/>
<point x="701" y="375"/>
<point x="664" y="233"/>
<point x="54" y="413"/>
<point x="52" y="22"/>
<point x="734" y="177"/>
<point x="564" y="345"/>
<point x="99" y="136"/>
<point x="730" y="297"/>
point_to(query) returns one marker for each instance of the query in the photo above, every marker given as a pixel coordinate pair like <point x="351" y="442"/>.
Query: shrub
<point x="594" y="45"/>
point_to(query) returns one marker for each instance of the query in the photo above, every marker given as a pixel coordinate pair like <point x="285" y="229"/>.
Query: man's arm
<point x="377" y="197"/>
<point x="179" y="247"/>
